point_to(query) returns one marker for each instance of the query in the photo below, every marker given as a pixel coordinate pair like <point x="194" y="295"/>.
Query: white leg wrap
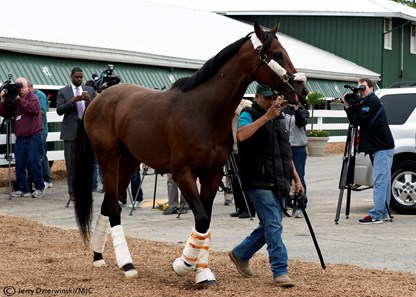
<point x="191" y="252"/>
<point x="120" y="246"/>
<point x="181" y="268"/>
<point x="203" y="272"/>
<point x="99" y="236"/>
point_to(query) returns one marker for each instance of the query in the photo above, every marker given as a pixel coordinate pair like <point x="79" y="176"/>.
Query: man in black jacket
<point x="377" y="141"/>
<point x="266" y="170"/>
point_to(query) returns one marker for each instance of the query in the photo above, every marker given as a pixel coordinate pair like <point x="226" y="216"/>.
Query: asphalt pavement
<point x="388" y="246"/>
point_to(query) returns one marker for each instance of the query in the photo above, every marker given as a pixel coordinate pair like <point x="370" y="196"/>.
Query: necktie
<point x="80" y="108"/>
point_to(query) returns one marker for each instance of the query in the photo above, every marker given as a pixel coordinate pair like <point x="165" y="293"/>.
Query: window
<point x="398" y="107"/>
<point x="388" y="36"/>
<point x="413" y="38"/>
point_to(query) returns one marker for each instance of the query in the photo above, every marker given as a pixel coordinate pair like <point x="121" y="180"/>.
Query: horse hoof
<point x="205" y="276"/>
<point x="99" y="263"/>
<point x="131" y="273"/>
<point x="181" y="267"/>
<point x="207" y="284"/>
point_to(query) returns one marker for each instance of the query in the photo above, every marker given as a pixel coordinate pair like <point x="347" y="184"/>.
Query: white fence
<point x="52" y="117"/>
<point x="53" y="136"/>
<point x="320" y="115"/>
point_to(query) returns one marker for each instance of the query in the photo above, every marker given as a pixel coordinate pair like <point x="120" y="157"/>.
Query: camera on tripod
<point x="106" y="79"/>
<point x="353" y="98"/>
<point x="11" y="91"/>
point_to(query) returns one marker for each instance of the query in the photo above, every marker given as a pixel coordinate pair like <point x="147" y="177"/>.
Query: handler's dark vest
<point x="266" y="157"/>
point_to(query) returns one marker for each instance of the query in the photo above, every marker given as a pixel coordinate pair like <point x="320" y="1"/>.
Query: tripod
<point x="346" y="179"/>
<point x="8" y="156"/>
<point x="133" y="200"/>
<point x="233" y="172"/>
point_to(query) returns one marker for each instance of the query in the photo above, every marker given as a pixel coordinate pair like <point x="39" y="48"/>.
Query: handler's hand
<point x="299" y="188"/>
<point x="273" y="111"/>
<point x="3" y="96"/>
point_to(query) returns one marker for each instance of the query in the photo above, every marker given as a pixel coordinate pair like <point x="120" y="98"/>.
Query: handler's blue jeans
<point x="28" y="151"/>
<point x="382" y="163"/>
<point x="269" y="231"/>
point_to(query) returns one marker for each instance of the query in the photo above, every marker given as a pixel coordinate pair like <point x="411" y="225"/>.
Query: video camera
<point x="353" y="98"/>
<point x="11" y="88"/>
<point x="106" y="79"/>
<point x="11" y="91"/>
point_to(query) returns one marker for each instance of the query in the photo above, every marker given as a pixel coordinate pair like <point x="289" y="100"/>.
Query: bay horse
<point x="185" y="131"/>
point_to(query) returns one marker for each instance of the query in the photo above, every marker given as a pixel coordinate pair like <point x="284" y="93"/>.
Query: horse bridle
<point x="274" y="66"/>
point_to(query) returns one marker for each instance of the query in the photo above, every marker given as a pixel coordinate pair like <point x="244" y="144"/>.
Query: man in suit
<point x="71" y="102"/>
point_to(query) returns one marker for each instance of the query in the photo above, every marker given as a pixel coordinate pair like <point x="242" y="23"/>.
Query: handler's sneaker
<point x="19" y="194"/>
<point x="369" y="220"/>
<point x="242" y="266"/>
<point x="283" y="281"/>
<point x="48" y="185"/>
<point x="37" y="194"/>
<point x="298" y="214"/>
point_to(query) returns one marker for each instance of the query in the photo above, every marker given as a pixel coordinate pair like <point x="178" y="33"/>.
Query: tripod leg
<point x="348" y="206"/>
<point x="388" y="210"/>
<point x="154" y="190"/>
<point x="341" y="194"/>
<point x="237" y="174"/>
<point x="138" y="190"/>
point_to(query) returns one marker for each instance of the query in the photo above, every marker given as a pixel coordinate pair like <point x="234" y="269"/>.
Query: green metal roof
<point x="331" y="89"/>
<point x="53" y="73"/>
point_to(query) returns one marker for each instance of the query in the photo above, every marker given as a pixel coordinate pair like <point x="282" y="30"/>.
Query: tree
<point x="411" y="3"/>
<point x="313" y="99"/>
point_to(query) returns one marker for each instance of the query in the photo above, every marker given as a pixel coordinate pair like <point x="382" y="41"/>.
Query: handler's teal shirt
<point x="244" y="119"/>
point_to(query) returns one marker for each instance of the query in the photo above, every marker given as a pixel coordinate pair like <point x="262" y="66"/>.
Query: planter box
<point x="317" y="145"/>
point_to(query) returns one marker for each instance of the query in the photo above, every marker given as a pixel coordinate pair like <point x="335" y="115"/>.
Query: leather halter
<point x="274" y="66"/>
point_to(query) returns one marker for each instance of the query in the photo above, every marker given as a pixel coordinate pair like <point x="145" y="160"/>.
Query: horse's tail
<point x="82" y="181"/>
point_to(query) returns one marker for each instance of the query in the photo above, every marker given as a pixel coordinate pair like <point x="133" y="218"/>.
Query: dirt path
<point x="38" y="257"/>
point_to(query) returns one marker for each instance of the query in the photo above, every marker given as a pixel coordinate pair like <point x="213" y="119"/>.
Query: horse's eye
<point x="278" y="56"/>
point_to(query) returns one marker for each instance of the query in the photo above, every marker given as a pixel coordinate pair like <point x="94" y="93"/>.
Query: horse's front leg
<point x="196" y="252"/>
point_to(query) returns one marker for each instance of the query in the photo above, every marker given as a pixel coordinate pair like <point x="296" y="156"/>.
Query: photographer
<point x="377" y="141"/>
<point x="25" y="109"/>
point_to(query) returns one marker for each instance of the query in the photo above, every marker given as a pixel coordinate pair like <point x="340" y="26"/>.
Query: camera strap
<point x="378" y="113"/>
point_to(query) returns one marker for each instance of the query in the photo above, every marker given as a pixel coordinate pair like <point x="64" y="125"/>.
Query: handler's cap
<point x="264" y="91"/>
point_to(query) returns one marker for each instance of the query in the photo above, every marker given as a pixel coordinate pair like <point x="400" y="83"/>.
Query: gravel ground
<point x="35" y="257"/>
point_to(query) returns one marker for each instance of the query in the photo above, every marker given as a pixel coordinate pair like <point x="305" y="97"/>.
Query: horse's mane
<point x="209" y="68"/>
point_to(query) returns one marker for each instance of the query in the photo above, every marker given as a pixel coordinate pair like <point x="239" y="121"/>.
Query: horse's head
<point x="275" y="68"/>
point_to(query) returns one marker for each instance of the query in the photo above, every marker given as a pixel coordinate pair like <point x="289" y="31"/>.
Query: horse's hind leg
<point x="99" y="238"/>
<point x="117" y="173"/>
<point x="100" y="234"/>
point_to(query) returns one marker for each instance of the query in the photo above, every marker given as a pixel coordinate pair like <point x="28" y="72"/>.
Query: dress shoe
<point x="246" y="215"/>
<point x="236" y="214"/>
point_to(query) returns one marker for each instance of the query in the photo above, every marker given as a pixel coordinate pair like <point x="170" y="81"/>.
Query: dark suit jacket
<point x="65" y="107"/>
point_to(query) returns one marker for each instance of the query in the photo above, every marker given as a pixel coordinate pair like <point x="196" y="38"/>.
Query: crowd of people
<point x="266" y="168"/>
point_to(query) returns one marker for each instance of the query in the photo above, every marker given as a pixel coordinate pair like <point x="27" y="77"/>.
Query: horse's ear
<point x="275" y="29"/>
<point x="259" y="31"/>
